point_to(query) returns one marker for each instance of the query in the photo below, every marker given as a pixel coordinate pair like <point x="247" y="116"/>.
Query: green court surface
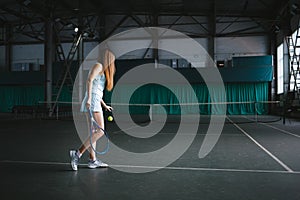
<point x="250" y="161"/>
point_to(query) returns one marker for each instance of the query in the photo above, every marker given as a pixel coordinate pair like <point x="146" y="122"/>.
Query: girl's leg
<point x="100" y="120"/>
<point x="98" y="116"/>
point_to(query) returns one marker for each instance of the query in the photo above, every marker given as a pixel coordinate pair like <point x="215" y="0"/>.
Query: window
<point x="280" y="69"/>
<point x="294" y="60"/>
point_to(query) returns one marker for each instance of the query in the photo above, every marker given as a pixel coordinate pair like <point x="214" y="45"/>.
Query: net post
<point x="57" y="111"/>
<point x="283" y="111"/>
<point x="256" y="113"/>
<point x="151" y="112"/>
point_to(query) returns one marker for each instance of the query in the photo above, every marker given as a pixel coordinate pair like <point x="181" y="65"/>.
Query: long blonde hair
<point x="108" y="60"/>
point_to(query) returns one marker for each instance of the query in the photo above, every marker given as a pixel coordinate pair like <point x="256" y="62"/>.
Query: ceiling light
<point x="26" y="2"/>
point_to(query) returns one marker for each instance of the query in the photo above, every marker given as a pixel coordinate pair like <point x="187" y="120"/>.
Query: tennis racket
<point x="95" y="127"/>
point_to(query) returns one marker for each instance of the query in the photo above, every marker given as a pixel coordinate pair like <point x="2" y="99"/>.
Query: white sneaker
<point x="96" y="163"/>
<point x="74" y="159"/>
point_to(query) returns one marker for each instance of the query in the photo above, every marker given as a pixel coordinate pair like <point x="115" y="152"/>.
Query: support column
<point x="102" y="31"/>
<point x="49" y="57"/>
<point x="8" y="47"/>
<point x="80" y="57"/>
<point x="80" y="72"/>
<point x="212" y="36"/>
<point x="155" y="40"/>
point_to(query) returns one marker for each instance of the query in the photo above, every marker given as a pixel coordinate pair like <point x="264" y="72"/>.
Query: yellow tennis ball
<point x="110" y="118"/>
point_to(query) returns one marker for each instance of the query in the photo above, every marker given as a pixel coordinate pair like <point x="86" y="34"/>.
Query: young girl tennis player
<point x="101" y="75"/>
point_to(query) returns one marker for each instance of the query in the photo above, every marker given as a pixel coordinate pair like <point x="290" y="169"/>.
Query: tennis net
<point x="236" y="112"/>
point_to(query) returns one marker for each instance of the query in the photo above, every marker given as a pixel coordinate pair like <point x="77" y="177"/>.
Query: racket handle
<point x="90" y="113"/>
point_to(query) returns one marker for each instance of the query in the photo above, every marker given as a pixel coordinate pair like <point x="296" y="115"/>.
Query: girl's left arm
<point x="108" y="108"/>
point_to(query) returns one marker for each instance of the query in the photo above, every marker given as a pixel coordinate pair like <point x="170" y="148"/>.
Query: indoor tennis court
<point x="170" y="99"/>
<point x="249" y="161"/>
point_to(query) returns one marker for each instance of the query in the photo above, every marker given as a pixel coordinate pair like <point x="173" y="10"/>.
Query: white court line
<point x="162" y="168"/>
<point x="281" y="130"/>
<point x="127" y="129"/>
<point x="263" y="148"/>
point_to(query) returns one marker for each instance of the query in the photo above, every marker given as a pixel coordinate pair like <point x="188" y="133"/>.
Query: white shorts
<point x="95" y="103"/>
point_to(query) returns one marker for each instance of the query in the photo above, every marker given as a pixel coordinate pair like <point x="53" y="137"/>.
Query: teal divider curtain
<point x="235" y="92"/>
<point x="156" y="94"/>
<point x="11" y="96"/>
<point x="247" y="92"/>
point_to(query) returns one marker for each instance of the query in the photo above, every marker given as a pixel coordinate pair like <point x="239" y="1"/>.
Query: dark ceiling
<point x="266" y="9"/>
<point x="27" y="17"/>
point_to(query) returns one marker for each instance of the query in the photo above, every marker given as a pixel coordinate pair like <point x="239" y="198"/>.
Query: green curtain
<point x="235" y="92"/>
<point x="156" y="94"/>
<point x="247" y="92"/>
<point x="19" y="95"/>
<point x="11" y="96"/>
<point x="261" y="94"/>
<point x="65" y="95"/>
